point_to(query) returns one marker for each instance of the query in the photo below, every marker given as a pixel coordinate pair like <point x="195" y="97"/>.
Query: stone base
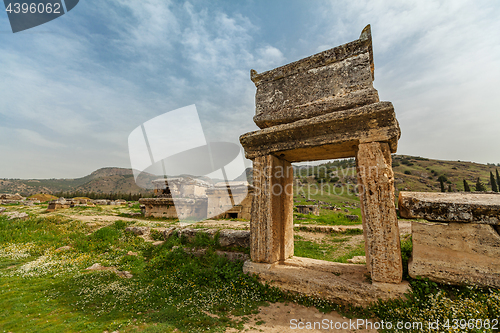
<point x="337" y="282"/>
<point x="456" y="253"/>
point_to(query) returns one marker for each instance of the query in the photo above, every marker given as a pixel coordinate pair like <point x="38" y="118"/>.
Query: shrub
<point x="442" y="178"/>
<point x="407" y="172"/>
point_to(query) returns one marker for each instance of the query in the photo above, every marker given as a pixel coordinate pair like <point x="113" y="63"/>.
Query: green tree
<point x="498" y="179"/>
<point x="494" y="186"/>
<point x="449" y="188"/>
<point x="480" y="186"/>
<point x="441" y="182"/>
<point x="442" y="178"/>
<point x="466" y="186"/>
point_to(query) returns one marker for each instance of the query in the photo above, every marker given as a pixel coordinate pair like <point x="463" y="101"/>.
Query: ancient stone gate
<point x="323" y="107"/>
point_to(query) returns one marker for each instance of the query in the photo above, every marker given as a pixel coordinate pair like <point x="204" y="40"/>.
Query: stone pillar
<point x="380" y="223"/>
<point x="271" y="226"/>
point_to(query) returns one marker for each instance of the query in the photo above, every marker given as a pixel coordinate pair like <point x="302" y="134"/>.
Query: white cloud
<point x="32" y="137"/>
<point x="438" y="62"/>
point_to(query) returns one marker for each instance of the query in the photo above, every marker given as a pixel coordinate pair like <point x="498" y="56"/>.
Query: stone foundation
<point x="337" y="282"/>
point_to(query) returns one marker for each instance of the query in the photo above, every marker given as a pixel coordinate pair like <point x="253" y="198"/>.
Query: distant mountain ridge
<point x="411" y="173"/>
<point x="104" y="180"/>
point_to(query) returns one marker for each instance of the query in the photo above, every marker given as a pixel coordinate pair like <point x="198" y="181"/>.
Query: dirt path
<point x="280" y="318"/>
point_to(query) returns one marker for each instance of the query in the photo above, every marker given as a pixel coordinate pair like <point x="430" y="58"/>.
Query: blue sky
<point x="73" y="89"/>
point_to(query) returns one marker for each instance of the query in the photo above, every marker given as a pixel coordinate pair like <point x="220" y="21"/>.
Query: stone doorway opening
<point x="320" y="108"/>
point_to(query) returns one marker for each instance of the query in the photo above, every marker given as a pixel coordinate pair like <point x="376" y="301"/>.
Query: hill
<point x="421" y="174"/>
<point x="104" y="180"/>
<point x="411" y="173"/>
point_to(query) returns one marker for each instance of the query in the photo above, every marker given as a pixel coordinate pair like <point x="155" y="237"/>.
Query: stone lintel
<point x="334" y="135"/>
<point x="337" y="282"/>
<point x="456" y="253"/>
<point x="483" y="208"/>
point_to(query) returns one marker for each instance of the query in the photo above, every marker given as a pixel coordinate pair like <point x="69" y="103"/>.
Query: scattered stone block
<point x="99" y="267"/>
<point x="483" y="208"/>
<point x="233" y="256"/>
<point x="135" y="214"/>
<point x="169" y="232"/>
<point x="64" y="248"/>
<point x="456" y="253"/>
<point x="352" y="217"/>
<point x="17" y="215"/>
<point x="138" y="230"/>
<point x="228" y="238"/>
<point x="308" y="209"/>
<point x="357" y="260"/>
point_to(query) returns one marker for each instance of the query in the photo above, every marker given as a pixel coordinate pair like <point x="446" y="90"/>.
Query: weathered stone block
<point x="380" y="222"/>
<point x="182" y="208"/>
<point x="228" y="237"/>
<point x="337" y="282"/>
<point x="308" y="209"/>
<point x="271" y="226"/>
<point x="334" y="135"/>
<point x="337" y="79"/>
<point x="450" y="207"/>
<point x="456" y="253"/>
<point x="138" y="230"/>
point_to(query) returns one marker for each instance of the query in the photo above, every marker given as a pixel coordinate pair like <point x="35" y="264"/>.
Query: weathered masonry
<point x="198" y="199"/>
<point x="324" y="107"/>
<point x="461" y="242"/>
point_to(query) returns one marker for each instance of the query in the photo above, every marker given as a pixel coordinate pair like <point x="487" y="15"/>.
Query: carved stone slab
<point x="456" y="253"/>
<point x="480" y="208"/>
<point x="337" y="79"/>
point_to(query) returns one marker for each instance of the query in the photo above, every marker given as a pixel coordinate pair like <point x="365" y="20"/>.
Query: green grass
<point x="47" y="291"/>
<point x="327" y="217"/>
<point x="42" y="290"/>
<point x="327" y="249"/>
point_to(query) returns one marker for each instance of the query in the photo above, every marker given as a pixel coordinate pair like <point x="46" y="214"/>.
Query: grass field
<point x="43" y="289"/>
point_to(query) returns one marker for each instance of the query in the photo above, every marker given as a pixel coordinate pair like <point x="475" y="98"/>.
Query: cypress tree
<point x="498" y="179"/>
<point x="466" y="186"/>
<point x="442" y="185"/>
<point x="493" y="182"/>
<point x="480" y="186"/>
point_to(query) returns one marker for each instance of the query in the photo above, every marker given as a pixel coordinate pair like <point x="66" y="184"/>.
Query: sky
<point x="73" y="89"/>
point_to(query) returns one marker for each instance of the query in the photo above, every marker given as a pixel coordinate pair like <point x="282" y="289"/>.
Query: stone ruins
<point x="196" y="198"/>
<point x="461" y="242"/>
<point x="324" y="107"/>
<point x="308" y="209"/>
